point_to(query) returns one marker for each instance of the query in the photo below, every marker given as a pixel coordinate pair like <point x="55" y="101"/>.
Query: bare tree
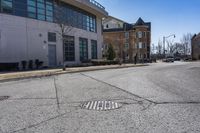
<point x="159" y="47"/>
<point x="65" y="27"/>
<point x="178" y="49"/>
<point x="186" y="42"/>
<point x="170" y="46"/>
<point x="158" y="50"/>
<point x="153" y="49"/>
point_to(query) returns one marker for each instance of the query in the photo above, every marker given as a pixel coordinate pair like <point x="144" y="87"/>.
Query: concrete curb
<point x="54" y="73"/>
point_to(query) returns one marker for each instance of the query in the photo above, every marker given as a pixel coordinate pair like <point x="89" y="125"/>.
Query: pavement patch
<point x="4" y="98"/>
<point x="100" y="105"/>
<point x="195" y="68"/>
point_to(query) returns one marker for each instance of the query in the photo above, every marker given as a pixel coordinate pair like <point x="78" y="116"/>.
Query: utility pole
<point x="164" y="46"/>
<point x="164" y="38"/>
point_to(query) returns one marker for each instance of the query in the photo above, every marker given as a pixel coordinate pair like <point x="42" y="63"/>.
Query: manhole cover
<point x="3" y="98"/>
<point x="100" y="105"/>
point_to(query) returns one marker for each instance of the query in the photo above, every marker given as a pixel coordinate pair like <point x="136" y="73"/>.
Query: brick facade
<point x="133" y="40"/>
<point x="196" y="47"/>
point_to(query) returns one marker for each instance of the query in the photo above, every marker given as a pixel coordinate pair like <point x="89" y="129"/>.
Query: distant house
<point x="130" y="41"/>
<point x="112" y="23"/>
<point x="196" y="47"/>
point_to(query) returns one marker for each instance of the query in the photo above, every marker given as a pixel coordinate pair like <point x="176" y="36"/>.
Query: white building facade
<point x="28" y="31"/>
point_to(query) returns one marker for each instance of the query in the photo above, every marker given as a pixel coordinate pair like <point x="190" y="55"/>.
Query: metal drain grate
<point x="3" y="98"/>
<point x="100" y="105"/>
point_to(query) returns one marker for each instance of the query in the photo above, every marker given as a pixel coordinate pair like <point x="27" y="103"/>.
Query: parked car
<point x="177" y="59"/>
<point x="187" y="59"/>
<point x="168" y="59"/>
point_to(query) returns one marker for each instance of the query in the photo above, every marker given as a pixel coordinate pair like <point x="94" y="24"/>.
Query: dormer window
<point x="139" y="34"/>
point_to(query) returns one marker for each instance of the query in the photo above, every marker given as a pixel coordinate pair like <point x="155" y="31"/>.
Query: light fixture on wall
<point x="44" y="47"/>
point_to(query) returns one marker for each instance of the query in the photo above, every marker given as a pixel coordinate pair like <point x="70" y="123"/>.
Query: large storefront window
<point x="70" y="15"/>
<point x="20" y="7"/>
<point x="31" y="6"/>
<point x="83" y="46"/>
<point x="7" y="6"/>
<point x="40" y="9"/>
<point x="48" y="10"/>
<point x="94" y="49"/>
<point x="69" y="48"/>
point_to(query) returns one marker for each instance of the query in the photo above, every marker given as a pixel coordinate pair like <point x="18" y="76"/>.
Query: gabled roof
<point x="196" y="36"/>
<point x="127" y="26"/>
<point x="139" y="22"/>
<point x="107" y="19"/>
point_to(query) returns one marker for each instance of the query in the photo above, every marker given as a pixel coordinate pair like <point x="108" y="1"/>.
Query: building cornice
<point x="88" y="5"/>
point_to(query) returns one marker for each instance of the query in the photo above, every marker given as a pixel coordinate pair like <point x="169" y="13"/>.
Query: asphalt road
<point x="160" y="98"/>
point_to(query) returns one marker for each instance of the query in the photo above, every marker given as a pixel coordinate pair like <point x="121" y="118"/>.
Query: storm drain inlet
<point x="100" y="105"/>
<point x="3" y="98"/>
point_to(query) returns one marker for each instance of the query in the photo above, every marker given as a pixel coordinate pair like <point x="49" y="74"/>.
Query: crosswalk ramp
<point x="100" y="105"/>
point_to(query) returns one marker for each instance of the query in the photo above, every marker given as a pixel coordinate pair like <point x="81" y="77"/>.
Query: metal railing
<point x="97" y="4"/>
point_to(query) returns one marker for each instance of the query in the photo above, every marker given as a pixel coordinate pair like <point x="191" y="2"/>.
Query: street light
<point x="164" y="38"/>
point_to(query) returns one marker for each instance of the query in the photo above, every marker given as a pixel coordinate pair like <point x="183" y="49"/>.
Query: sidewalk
<point x="9" y="76"/>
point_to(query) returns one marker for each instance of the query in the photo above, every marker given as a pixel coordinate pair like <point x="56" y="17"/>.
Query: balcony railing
<point x="97" y="4"/>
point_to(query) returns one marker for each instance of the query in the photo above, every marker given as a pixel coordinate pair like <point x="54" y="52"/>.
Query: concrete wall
<point x="27" y="39"/>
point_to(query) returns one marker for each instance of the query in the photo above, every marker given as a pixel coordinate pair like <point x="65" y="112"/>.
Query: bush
<point x="23" y="64"/>
<point x="9" y="66"/>
<point x="30" y="64"/>
<point x="38" y="63"/>
<point x="110" y="53"/>
<point x="104" y="62"/>
<point x="86" y="61"/>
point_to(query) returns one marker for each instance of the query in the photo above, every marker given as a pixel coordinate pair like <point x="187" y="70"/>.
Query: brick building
<point x="196" y="47"/>
<point x="129" y="41"/>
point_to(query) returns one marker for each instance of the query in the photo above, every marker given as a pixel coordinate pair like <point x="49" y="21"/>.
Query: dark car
<point x="188" y="59"/>
<point x="177" y="59"/>
<point x="168" y="59"/>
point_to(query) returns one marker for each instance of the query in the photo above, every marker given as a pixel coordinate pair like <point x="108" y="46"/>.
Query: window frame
<point x="83" y="50"/>
<point x="126" y="46"/>
<point x="4" y="8"/>
<point x="94" y="53"/>
<point x="52" y="37"/>
<point x="140" y="45"/>
<point x="139" y="34"/>
<point x="126" y="35"/>
<point x="69" y="48"/>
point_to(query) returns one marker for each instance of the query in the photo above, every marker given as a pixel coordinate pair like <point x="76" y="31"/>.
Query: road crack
<point x="116" y="87"/>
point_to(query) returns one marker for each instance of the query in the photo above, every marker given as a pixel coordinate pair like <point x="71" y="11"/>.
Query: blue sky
<point x="167" y="16"/>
